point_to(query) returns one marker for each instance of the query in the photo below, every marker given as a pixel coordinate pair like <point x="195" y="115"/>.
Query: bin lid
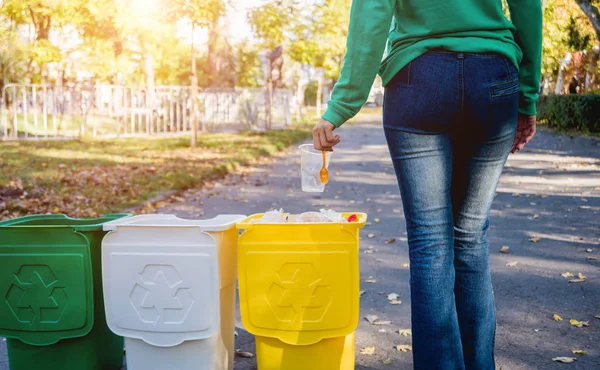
<point x="60" y="220"/>
<point x="299" y="282"/>
<point x="46" y="279"/>
<point x="161" y="277"/>
<point x="219" y="223"/>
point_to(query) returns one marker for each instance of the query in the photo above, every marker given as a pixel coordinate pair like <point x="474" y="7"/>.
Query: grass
<point x="86" y="178"/>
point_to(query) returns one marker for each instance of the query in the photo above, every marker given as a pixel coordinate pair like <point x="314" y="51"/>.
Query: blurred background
<point x="140" y="67"/>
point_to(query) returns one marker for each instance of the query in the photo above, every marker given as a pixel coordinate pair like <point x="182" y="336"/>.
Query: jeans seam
<point x="462" y="84"/>
<point x="408" y="77"/>
<point x="507" y="68"/>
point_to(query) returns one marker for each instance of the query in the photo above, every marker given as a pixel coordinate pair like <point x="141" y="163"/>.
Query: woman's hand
<point x="323" y="137"/>
<point x="525" y="131"/>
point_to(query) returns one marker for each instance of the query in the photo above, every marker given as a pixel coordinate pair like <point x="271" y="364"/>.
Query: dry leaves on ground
<point x="581" y="279"/>
<point x="512" y="264"/>
<point x="369" y="351"/>
<point x="405" y="332"/>
<point x="371" y="318"/>
<point x="504" y="249"/>
<point x="556" y="317"/>
<point x="566" y="360"/>
<point x="387" y="361"/>
<point x="390" y="241"/>
<point x="535" y="239"/>
<point x="404" y="347"/>
<point x="242" y="354"/>
<point x="579" y="324"/>
<point x="578" y="352"/>
<point x="392" y="296"/>
<point x="567" y="274"/>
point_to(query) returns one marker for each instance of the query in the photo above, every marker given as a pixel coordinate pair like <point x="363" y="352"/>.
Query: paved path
<point x="551" y="190"/>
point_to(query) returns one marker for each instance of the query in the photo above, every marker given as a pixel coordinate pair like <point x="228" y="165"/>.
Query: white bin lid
<point x="219" y="223"/>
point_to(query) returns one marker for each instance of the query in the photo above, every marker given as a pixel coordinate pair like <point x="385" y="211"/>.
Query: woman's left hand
<point x="323" y="137"/>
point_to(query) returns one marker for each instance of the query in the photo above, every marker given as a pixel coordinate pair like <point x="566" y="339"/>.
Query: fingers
<point x="323" y="137"/>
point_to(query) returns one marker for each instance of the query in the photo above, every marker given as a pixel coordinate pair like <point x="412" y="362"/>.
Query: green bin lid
<point x="46" y="277"/>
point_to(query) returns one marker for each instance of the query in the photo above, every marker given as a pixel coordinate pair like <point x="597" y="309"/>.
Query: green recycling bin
<point x="51" y="305"/>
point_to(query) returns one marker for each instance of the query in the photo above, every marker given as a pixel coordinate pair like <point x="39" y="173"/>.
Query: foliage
<point x="578" y="112"/>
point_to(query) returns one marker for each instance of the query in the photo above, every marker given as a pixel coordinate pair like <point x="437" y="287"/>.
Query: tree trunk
<point x="194" y="84"/>
<point x="591" y="69"/>
<point x="560" y="82"/>
<point x="592" y="13"/>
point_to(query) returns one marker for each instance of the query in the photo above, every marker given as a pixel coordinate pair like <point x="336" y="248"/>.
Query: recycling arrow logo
<point x="37" y="296"/>
<point x="160" y="295"/>
<point x="299" y="293"/>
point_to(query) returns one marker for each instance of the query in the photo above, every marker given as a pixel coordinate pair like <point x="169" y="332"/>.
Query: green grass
<point x="87" y="178"/>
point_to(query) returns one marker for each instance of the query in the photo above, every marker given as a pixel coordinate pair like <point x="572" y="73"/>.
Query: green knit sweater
<point x="420" y="25"/>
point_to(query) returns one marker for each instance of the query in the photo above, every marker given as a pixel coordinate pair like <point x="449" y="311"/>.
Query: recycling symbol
<point x="160" y="296"/>
<point x="36" y="296"/>
<point x="298" y="293"/>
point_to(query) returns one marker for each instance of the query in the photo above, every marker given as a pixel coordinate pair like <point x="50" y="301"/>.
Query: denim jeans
<point x="450" y="121"/>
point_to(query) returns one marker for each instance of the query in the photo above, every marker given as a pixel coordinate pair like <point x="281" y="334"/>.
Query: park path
<point x="550" y="191"/>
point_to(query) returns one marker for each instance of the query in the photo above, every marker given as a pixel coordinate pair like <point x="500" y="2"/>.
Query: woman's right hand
<point x="323" y="137"/>
<point x="525" y="131"/>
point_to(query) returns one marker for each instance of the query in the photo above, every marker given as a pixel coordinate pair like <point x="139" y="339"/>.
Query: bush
<point x="579" y="112"/>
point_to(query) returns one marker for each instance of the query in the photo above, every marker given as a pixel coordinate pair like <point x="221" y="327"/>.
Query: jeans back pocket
<point x="505" y="88"/>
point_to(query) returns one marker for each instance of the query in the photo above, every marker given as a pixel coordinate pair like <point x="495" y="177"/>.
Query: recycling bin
<point x="169" y="289"/>
<point x="52" y="313"/>
<point x="299" y="292"/>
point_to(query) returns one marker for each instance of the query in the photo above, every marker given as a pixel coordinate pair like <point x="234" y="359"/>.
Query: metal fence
<point x="47" y="111"/>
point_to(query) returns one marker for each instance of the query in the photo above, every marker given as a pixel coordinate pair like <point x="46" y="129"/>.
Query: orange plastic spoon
<point x="324" y="174"/>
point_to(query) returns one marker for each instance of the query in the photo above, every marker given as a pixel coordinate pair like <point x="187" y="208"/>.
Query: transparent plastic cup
<point x="311" y="164"/>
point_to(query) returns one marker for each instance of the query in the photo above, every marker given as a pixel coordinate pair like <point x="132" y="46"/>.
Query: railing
<point x="46" y="111"/>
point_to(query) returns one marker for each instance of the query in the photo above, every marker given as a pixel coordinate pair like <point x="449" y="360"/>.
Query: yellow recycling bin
<point x="299" y="290"/>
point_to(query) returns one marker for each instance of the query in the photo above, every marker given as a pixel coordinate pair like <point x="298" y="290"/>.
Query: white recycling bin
<point x="169" y="290"/>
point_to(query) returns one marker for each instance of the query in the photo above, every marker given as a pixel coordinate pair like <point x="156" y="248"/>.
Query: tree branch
<point x="592" y="13"/>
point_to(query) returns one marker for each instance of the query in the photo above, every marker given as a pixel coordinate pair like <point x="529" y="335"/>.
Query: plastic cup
<point x="311" y="164"/>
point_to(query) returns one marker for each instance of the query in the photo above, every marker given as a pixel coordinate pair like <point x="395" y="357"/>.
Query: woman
<point x="461" y="86"/>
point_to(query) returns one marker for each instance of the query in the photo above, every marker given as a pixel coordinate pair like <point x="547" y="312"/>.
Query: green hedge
<point x="579" y="112"/>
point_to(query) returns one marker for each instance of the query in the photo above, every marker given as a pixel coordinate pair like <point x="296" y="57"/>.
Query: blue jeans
<point x="450" y="121"/>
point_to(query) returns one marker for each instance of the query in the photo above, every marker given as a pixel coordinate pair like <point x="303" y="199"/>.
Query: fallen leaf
<point x="512" y="264"/>
<point x="405" y="332"/>
<point x="404" y="347"/>
<point x="392" y="296"/>
<point x="397" y="210"/>
<point x="589" y="250"/>
<point x="535" y="217"/>
<point x="597" y="316"/>
<point x="556" y="317"/>
<point x="579" y="324"/>
<point x="535" y="239"/>
<point x="578" y="352"/>
<point x="390" y="241"/>
<point x="387" y="361"/>
<point x="567" y="275"/>
<point x="379" y="210"/>
<point x="566" y="360"/>
<point x="591" y="258"/>
<point x="371" y="236"/>
<point x="580" y="280"/>
<point x="377" y="220"/>
<point x="372" y="318"/>
<point x="504" y="249"/>
<point x="382" y="323"/>
<point x="369" y="351"/>
<point x="372" y="281"/>
<point x="379" y="260"/>
<point x="362" y="292"/>
<point x="395" y="301"/>
<point x="405" y="265"/>
<point x="368" y="251"/>
<point x="382" y="331"/>
<point x="242" y="354"/>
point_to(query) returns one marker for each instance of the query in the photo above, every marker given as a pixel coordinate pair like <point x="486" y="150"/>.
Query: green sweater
<point x="420" y="25"/>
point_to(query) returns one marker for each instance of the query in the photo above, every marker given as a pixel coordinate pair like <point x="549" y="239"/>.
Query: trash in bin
<point x="53" y="313"/>
<point x="324" y="215"/>
<point x="299" y="291"/>
<point x="170" y="290"/>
